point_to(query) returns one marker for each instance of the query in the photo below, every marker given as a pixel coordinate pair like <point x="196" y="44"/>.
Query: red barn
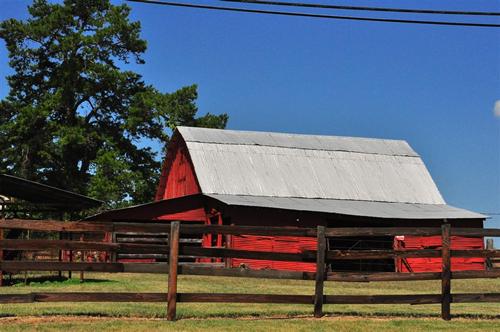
<point x="216" y="176"/>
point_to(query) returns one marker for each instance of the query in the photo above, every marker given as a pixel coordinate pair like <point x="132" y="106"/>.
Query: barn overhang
<point x="229" y="205"/>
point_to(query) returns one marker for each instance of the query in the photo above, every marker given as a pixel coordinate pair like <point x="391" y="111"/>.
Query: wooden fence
<point x="321" y="257"/>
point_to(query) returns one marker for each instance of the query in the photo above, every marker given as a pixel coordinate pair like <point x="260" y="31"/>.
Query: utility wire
<point x="361" y="8"/>
<point x="335" y="17"/>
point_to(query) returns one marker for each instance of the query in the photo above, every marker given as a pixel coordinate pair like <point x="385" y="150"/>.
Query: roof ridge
<point x="380" y="146"/>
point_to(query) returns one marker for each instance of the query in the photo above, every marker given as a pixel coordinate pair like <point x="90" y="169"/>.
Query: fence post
<point x="320" y="272"/>
<point x="173" y="259"/>
<point x="83" y="259"/>
<point x="113" y="253"/>
<point x="489" y="261"/>
<point x="446" y="272"/>
<point x="1" y="259"/>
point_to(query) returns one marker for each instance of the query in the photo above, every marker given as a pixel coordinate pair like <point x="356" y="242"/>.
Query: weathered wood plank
<point x="245" y="273"/>
<point x="381" y="276"/>
<point x="80" y="245"/>
<point x="383" y="299"/>
<point x="381" y="231"/>
<point x="55" y="225"/>
<point x="172" y="273"/>
<point x="446" y="273"/>
<point x="15" y="266"/>
<point x="159" y="226"/>
<point x="244" y="298"/>
<point x="83" y="297"/>
<point x="306" y="256"/>
<point x="248" y="230"/>
<point x="380" y="254"/>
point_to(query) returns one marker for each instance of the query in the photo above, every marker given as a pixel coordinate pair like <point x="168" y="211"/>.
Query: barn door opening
<point x="213" y="240"/>
<point x="362" y="243"/>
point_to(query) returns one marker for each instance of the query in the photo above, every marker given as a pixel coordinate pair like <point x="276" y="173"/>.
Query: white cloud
<point x="496" y="109"/>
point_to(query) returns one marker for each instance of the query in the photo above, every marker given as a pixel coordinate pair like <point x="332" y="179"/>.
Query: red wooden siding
<point x="434" y="264"/>
<point x="289" y="244"/>
<point x="178" y="179"/>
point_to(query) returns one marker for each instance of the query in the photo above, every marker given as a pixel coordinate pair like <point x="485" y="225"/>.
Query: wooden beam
<point x="33" y="245"/>
<point x="446" y="273"/>
<point x="381" y="276"/>
<point x="306" y="256"/>
<point x="164" y="227"/>
<point x="245" y="298"/>
<point x="383" y="299"/>
<point x="172" y="273"/>
<point x="244" y="273"/>
<point x="82" y="297"/>
<point x="55" y="225"/>
<point x="381" y="231"/>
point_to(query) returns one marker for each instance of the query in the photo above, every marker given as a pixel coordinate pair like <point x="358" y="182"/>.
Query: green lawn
<point x="259" y="317"/>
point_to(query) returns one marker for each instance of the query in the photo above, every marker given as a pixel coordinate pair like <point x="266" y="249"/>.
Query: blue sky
<point x="432" y="86"/>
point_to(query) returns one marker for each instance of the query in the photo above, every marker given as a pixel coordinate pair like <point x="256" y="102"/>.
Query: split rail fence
<point x="321" y="256"/>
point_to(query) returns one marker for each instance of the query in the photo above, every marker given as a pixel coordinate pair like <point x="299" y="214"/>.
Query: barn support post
<point x="445" y="273"/>
<point x="172" y="270"/>
<point x="320" y="272"/>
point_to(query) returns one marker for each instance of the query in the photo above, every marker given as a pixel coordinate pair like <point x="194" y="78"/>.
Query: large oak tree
<point x="73" y="117"/>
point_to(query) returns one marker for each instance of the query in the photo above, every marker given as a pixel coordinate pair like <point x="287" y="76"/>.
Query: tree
<point x="73" y="118"/>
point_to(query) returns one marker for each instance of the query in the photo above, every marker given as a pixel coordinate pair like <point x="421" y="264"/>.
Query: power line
<point x="335" y="17"/>
<point x="362" y="8"/>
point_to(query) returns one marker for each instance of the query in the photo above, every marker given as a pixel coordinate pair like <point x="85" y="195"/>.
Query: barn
<point x="228" y="177"/>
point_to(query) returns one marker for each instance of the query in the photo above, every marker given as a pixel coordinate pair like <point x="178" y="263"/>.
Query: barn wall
<point x="268" y="217"/>
<point x="434" y="264"/>
<point x="288" y="244"/>
<point x="178" y="179"/>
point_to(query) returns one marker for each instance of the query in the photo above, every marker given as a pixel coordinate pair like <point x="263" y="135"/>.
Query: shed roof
<point x="382" y="210"/>
<point x="37" y="193"/>
<point x="379" y="210"/>
<point x="263" y="164"/>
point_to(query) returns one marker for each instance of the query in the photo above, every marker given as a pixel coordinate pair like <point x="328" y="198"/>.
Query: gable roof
<point x="243" y="163"/>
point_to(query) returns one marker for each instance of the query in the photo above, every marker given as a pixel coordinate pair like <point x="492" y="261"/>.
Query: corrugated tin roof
<point x="383" y="210"/>
<point x="352" y="208"/>
<point x="303" y="166"/>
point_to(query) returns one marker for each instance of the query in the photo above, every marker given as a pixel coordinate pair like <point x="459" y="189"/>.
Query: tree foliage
<point x="73" y="117"/>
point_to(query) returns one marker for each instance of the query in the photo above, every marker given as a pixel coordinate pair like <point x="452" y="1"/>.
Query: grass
<point x="258" y="317"/>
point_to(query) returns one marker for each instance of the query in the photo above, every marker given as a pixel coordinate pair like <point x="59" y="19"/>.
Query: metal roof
<point x="303" y="166"/>
<point x="352" y="208"/>
<point x="37" y="193"/>
<point x="382" y="210"/>
<point x="297" y="141"/>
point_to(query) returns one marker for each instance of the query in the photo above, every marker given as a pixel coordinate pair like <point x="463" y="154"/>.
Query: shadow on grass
<point x="344" y="314"/>
<point x="50" y="280"/>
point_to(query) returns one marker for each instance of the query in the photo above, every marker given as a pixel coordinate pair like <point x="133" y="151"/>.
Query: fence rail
<point x="170" y="248"/>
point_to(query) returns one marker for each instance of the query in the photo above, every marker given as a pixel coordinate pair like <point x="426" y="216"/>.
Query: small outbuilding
<point x="214" y="176"/>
